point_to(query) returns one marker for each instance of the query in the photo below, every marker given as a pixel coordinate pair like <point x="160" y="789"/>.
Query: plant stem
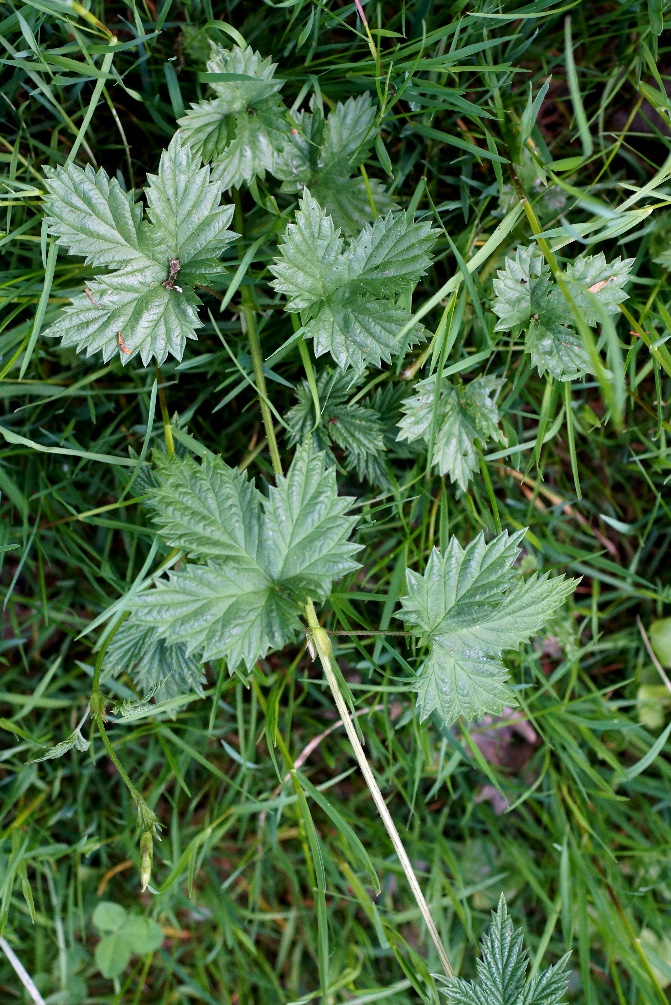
<point x="257" y="359"/>
<point x="322" y="644"/>
<point x="259" y="377"/>
<point x="165" y="415"/>
<point x="148" y="817"/>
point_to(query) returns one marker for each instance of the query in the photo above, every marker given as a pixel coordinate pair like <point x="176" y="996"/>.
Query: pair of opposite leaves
<point x="245" y="131"/>
<point x="353" y="300"/>
<point x="347" y="296"/>
<point x="254" y="561"/>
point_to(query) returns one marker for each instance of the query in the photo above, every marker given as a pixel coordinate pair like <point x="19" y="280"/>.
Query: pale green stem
<point x="257" y="359"/>
<point x="322" y="644"/>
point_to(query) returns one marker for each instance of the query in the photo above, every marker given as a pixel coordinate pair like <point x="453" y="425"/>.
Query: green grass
<point x="583" y="854"/>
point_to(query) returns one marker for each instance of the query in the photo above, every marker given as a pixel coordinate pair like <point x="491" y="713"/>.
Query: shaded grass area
<point x="565" y="809"/>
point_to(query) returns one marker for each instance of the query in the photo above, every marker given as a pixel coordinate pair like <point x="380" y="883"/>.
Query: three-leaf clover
<point x="256" y="559"/>
<point x="527" y="299"/>
<point x="125" y="935"/>
<point x="469" y="606"/>
<point x="348" y="297"/>
<point x="465" y="413"/>
<point x="243" y="128"/>
<point x="146" y="304"/>
<point x="321" y="154"/>
<point x="502" y="971"/>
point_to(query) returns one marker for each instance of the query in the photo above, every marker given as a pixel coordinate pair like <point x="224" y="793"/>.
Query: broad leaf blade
<point x="502" y="972"/>
<point x="469" y="606"/>
<point x="130" y="314"/>
<point x="209" y="510"/>
<point x="357" y="331"/>
<point x="187" y="222"/>
<point x="251" y="598"/>
<point x="465" y="413"/>
<point x="93" y="217"/>
<point x="310" y="266"/>
<point x="219" y="610"/>
<point x="148" y="659"/>
<point x="306" y="530"/>
<point x="391" y="255"/>
<point x="322" y="154"/>
<point x="243" y="129"/>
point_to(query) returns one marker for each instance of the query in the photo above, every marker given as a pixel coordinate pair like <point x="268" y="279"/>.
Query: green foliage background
<point x="566" y="809"/>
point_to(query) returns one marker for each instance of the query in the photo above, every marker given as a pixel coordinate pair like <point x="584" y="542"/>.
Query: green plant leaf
<point x="147" y="305"/>
<point x="92" y="216"/>
<point x="112" y="955"/>
<point x="528" y="299"/>
<point x="347" y="297"/>
<point x="322" y="154"/>
<point x="468" y="607"/>
<point x="592" y="280"/>
<point x="108" y="916"/>
<point x="502" y="970"/>
<point x="242" y="130"/>
<point x="150" y="661"/>
<point x="356" y="429"/>
<point x="74" y="740"/>
<point x="466" y="413"/>
<point x="209" y="510"/>
<point x="390" y="255"/>
<point x="143" y="935"/>
<point x="250" y="601"/>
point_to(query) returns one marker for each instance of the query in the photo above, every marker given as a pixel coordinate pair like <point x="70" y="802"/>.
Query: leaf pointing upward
<point x="502" y="971"/>
<point x="469" y="606"/>
<point x="267" y="555"/>
<point x="321" y="154"/>
<point x="348" y="296"/>
<point x="146" y="306"/>
<point x="243" y="128"/>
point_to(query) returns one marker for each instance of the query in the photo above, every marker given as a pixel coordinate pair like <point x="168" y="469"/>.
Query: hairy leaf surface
<point x="322" y="154"/>
<point x="468" y="607"/>
<point x="267" y="555"/>
<point x="147" y="305"/>
<point x="357" y="429"/>
<point x="148" y="659"/>
<point x="347" y="295"/>
<point x="466" y="413"/>
<point x="528" y="299"/>
<point x="242" y="130"/>
<point x="502" y="970"/>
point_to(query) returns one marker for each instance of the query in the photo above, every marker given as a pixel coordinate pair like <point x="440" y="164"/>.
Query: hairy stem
<point x="322" y="644"/>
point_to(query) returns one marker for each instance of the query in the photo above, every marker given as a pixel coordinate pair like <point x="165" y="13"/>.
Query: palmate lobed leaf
<point x="357" y="429"/>
<point x="502" y="969"/>
<point x="528" y="298"/>
<point x="93" y="217"/>
<point x="466" y="413"/>
<point x="468" y="607"/>
<point x="243" y="129"/>
<point x="267" y="555"/>
<point x="138" y="309"/>
<point x="322" y="153"/>
<point x="347" y="295"/>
